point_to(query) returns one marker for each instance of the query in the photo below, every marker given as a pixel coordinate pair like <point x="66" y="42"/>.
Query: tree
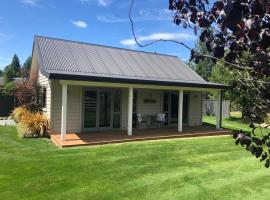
<point x="1" y="72"/>
<point x="15" y="64"/>
<point x="26" y="67"/>
<point x="9" y="74"/>
<point x="202" y="67"/>
<point x="28" y="95"/>
<point x="231" y="30"/>
<point x="12" y="70"/>
<point x="236" y="32"/>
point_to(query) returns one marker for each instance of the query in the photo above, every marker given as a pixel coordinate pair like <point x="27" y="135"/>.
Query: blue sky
<point x="94" y="21"/>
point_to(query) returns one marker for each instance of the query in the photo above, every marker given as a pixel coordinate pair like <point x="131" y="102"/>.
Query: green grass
<point x="233" y="123"/>
<point x="197" y="168"/>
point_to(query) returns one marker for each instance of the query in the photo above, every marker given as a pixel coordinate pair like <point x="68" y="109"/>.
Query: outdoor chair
<point x="160" y="120"/>
<point x="140" y="120"/>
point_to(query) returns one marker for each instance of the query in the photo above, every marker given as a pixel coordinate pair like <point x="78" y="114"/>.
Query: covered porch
<point x="126" y="131"/>
<point x="120" y="136"/>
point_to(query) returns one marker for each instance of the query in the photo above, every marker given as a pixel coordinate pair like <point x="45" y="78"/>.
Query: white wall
<point x="74" y="106"/>
<point x="74" y="109"/>
<point x="46" y="83"/>
<point x="195" y="109"/>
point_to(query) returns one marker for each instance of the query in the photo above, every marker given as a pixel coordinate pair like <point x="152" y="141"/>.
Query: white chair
<point x="160" y="119"/>
<point x="140" y="119"/>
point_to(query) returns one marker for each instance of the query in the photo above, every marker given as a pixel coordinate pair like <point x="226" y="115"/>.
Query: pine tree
<point x="15" y="64"/>
<point x="26" y="67"/>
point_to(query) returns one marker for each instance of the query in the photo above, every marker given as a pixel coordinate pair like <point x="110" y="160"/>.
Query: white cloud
<point x="79" y="23"/>
<point x="103" y="3"/>
<point x="30" y="2"/>
<point x="142" y="15"/>
<point x="158" y="36"/>
<point x="5" y="37"/>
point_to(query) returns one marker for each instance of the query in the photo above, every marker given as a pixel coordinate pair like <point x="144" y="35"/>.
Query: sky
<point x="102" y="22"/>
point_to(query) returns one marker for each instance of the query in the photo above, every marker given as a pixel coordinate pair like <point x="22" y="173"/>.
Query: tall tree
<point x="26" y="67"/>
<point x="202" y="67"/>
<point x="1" y="72"/>
<point x="9" y="74"/>
<point x="15" y="64"/>
<point x="233" y="30"/>
<point x="12" y="70"/>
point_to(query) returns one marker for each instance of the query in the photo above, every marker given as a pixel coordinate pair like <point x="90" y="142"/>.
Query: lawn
<point x="194" y="168"/>
<point x="233" y="123"/>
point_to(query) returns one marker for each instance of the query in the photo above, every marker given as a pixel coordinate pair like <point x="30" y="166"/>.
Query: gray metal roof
<point x="60" y="57"/>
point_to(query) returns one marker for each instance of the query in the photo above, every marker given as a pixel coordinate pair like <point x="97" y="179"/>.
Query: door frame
<point x="169" y="107"/>
<point x="98" y="90"/>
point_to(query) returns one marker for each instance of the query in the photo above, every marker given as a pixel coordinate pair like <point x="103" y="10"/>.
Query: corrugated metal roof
<point x="60" y="56"/>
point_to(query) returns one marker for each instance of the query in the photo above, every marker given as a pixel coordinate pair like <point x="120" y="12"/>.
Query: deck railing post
<point x="180" y="111"/>
<point x="219" y="110"/>
<point x="130" y="108"/>
<point x="64" y="112"/>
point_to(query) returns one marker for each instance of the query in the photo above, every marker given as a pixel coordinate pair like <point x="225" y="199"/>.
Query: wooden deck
<point x="119" y="136"/>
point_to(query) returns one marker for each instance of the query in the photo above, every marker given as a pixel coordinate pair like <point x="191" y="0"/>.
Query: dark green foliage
<point x="203" y="67"/>
<point x="26" y="67"/>
<point x="9" y="89"/>
<point x="12" y="70"/>
<point x="9" y="74"/>
<point x="237" y="32"/>
<point x="15" y="64"/>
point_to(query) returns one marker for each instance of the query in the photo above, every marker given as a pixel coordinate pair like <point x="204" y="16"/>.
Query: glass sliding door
<point x="170" y="107"/>
<point x="105" y="109"/>
<point x="90" y="109"/>
<point x="102" y="109"/>
<point x="116" y="109"/>
<point x="174" y="108"/>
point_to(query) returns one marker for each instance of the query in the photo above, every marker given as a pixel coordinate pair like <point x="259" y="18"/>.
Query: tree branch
<point x="177" y="42"/>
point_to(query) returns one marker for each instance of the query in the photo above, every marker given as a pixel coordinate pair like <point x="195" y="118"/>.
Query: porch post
<point x="219" y="110"/>
<point x="64" y="112"/>
<point x="130" y="107"/>
<point x="180" y="111"/>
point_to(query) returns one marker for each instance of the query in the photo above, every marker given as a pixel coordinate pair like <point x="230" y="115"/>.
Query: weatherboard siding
<point x="74" y="103"/>
<point x="195" y="109"/>
<point x="74" y="106"/>
<point x="46" y="83"/>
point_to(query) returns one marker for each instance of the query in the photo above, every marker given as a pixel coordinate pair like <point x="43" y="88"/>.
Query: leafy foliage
<point x="237" y="31"/>
<point x="28" y="95"/>
<point x="203" y="67"/>
<point x="8" y="89"/>
<point x="25" y="72"/>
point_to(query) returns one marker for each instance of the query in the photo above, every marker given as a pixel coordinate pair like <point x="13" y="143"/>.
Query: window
<point x="43" y="97"/>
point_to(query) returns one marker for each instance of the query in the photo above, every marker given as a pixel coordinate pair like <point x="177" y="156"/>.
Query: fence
<point x="209" y="108"/>
<point x="6" y="105"/>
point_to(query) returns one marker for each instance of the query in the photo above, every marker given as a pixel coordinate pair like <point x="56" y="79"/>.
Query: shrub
<point x="18" y="113"/>
<point x="28" y="95"/>
<point x="34" y="124"/>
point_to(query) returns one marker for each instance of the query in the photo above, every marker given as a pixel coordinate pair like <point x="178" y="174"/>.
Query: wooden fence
<point x="209" y="108"/>
<point x="7" y="104"/>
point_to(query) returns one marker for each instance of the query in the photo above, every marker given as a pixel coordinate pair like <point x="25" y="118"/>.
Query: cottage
<point x="95" y="88"/>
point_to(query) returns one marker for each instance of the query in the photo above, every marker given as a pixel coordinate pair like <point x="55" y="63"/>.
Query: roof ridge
<point x="99" y="45"/>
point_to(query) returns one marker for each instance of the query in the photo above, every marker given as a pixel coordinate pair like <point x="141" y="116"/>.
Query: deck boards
<point x="119" y="136"/>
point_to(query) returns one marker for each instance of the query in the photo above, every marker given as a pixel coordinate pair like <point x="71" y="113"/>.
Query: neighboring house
<point x="89" y="87"/>
<point x="2" y="81"/>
